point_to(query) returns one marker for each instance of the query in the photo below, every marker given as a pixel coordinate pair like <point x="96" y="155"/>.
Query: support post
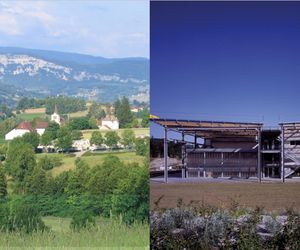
<point x="259" y="154"/>
<point x="222" y="164"/>
<point x="204" y="162"/>
<point x="195" y="141"/>
<point x="166" y="155"/>
<point x="282" y="154"/>
<point x="183" y="154"/>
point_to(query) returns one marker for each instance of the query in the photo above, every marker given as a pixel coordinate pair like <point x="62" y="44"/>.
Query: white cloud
<point x="21" y="16"/>
<point x="9" y="25"/>
<point x="99" y="28"/>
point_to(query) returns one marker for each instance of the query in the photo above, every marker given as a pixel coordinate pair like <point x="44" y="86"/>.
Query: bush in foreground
<point x="82" y="220"/>
<point x="186" y="227"/>
<point x="20" y="217"/>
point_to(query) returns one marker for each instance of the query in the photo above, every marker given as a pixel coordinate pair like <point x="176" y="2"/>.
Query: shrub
<point x="3" y="183"/>
<point x="5" y="221"/>
<point x="142" y="146"/>
<point x="82" y="220"/>
<point x="27" y="219"/>
<point x="20" y="217"/>
<point x="48" y="163"/>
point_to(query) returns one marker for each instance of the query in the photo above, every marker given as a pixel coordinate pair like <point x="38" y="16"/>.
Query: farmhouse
<point x="41" y="127"/>
<point x="23" y="128"/>
<point x="234" y="149"/>
<point x="26" y="127"/>
<point x="110" y="122"/>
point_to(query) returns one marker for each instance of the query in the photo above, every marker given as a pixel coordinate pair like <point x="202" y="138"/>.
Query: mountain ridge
<point x="48" y="73"/>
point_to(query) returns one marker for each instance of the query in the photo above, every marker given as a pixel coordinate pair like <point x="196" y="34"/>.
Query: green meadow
<point x="107" y="233"/>
<point x="92" y="159"/>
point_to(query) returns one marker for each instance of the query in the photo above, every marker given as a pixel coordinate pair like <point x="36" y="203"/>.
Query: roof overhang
<point x="210" y="129"/>
<point x="290" y="125"/>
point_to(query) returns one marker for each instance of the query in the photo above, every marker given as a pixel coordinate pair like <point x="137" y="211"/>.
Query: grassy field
<point x="2" y="141"/>
<point x="138" y="132"/>
<point x="35" y="110"/>
<point x="107" y="234"/>
<point x="78" y="114"/>
<point x="30" y="117"/>
<point x="69" y="162"/>
<point x="271" y="196"/>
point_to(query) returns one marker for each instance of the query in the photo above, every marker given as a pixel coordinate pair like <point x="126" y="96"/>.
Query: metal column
<point x="222" y="164"/>
<point x="282" y="154"/>
<point x="183" y="155"/>
<point x="259" y="155"/>
<point x="166" y="155"/>
<point x="204" y="162"/>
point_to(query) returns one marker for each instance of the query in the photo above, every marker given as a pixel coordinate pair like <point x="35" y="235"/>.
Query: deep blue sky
<point x="225" y="61"/>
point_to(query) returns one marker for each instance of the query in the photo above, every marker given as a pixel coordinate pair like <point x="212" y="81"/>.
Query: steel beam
<point x="259" y="155"/>
<point x="183" y="154"/>
<point x="166" y="155"/>
<point x="282" y="154"/>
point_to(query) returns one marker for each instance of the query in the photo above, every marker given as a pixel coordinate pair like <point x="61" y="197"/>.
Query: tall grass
<point x="107" y="234"/>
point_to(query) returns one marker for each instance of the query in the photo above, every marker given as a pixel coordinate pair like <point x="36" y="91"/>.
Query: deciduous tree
<point x="97" y="138"/>
<point x="20" y="162"/>
<point x="64" y="139"/>
<point x="128" y="138"/>
<point x="111" y="139"/>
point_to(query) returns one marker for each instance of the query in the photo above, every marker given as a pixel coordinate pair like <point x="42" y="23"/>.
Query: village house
<point x="110" y="122"/>
<point x="23" y="128"/>
<point x="26" y="127"/>
<point x="41" y="127"/>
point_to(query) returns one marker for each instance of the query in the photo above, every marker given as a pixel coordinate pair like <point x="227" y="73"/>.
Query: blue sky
<point x="103" y="28"/>
<point x="235" y="61"/>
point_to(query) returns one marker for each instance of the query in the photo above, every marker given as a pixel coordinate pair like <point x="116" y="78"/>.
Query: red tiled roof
<point x="42" y="124"/>
<point x="25" y="125"/>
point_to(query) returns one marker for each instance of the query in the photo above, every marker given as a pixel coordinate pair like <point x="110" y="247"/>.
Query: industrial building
<point x="234" y="149"/>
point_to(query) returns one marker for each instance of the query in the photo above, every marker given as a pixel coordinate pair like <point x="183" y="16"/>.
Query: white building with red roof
<point x="41" y="127"/>
<point x="26" y="127"/>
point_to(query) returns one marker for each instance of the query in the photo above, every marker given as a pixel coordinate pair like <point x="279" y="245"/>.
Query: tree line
<point x="64" y="104"/>
<point x="112" y="188"/>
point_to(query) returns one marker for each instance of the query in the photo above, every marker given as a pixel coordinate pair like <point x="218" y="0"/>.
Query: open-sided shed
<point x="244" y="136"/>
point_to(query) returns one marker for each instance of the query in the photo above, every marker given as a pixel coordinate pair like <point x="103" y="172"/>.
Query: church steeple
<point x="55" y="109"/>
<point x="55" y="116"/>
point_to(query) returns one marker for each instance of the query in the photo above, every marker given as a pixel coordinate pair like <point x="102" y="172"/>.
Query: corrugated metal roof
<point x="211" y="129"/>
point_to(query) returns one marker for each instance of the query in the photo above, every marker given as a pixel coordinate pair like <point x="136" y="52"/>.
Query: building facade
<point x="26" y="127"/>
<point x="236" y="150"/>
<point x="110" y="122"/>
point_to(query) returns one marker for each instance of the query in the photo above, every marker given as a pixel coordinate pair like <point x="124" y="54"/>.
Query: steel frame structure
<point x="209" y="129"/>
